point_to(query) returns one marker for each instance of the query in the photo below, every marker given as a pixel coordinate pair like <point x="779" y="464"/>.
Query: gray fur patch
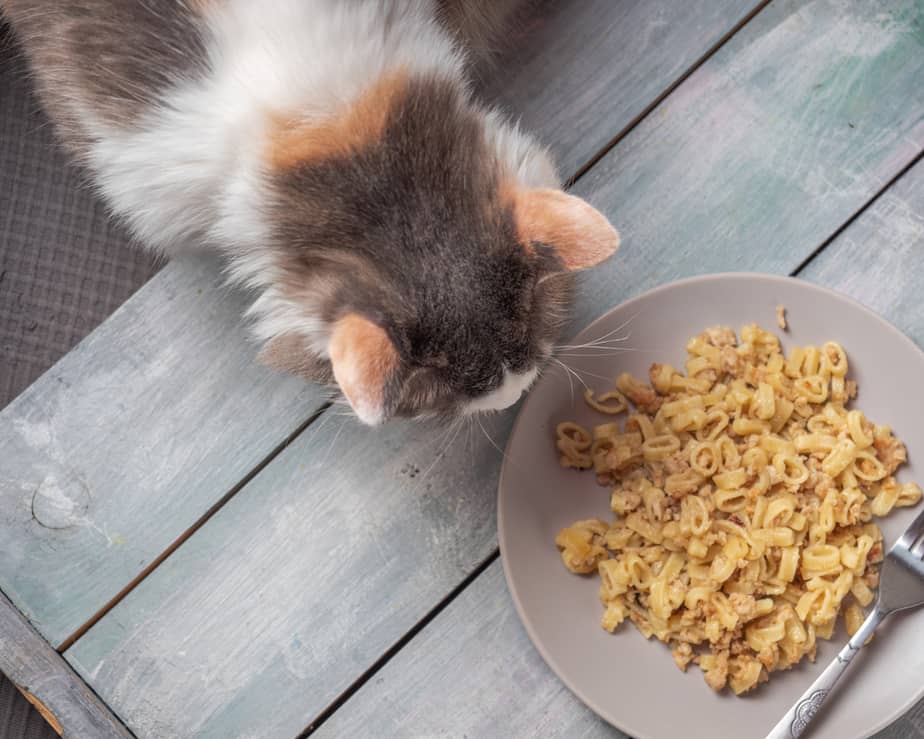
<point x="412" y="230"/>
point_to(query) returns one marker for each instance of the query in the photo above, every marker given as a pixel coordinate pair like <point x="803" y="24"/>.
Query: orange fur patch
<point x="363" y="357"/>
<point x="581" y="235"/>
<point x="294" y="142"/>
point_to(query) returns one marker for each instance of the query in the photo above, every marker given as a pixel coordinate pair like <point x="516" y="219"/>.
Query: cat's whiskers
<point x="317" y="426"/>
<point x="340" y="409"/>
<point x="506" y="457"/>
<point x="488" y="437"/>
<point x="571" y="372"/>
<point x="597" y="353"/>
<point x="344" y="421"/>
<point x="458" y="424"/>
<point x="568" y="372"/>
<point x="596" y="343"/>
<point x="606" y="337"/>
<point x="578" y="371"/>
<point x="439" y="437"/>
<point x="578" y="347"/>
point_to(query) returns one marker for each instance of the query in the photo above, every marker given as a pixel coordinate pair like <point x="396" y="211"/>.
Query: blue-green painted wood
<point x="879" y="261"/>
<point x="732" y="171"/>
<point x="474" y="667"/>
<point x="775" y="142"/>
<point x="147" y="424"/>
<point x="579" y="71"/>
<point x="126" y="441"/>
<point x="471" y="672"/>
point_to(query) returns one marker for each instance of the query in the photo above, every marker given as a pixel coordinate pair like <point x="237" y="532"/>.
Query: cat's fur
<point x="404" y="241"/>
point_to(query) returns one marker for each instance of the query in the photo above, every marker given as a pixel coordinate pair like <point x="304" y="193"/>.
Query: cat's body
<point x="402" y="240"/>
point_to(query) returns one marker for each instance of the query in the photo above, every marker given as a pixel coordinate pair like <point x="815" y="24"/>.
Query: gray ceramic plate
<point x="633" y="683"/>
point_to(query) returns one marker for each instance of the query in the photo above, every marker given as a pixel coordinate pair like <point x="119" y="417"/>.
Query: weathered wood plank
<point x="49" y="683"/>
<point x="126" y="441"/>
<point x="471" y="672"/>
<point x="602" y="63"/>
<point x="875" y="260"/>
<point x="158" y="414"/>
<point x="268" y="648"/>
<point x="878" y="261"/>
<point x="768" y="148"/>
<point x="693" y="217"/>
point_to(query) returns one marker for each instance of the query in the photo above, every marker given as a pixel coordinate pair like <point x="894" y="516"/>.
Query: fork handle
<point x="797" y="719"/>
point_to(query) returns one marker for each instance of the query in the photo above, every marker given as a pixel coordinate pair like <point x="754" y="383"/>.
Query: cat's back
<point x="103" y="65"/>
<point x="106" y="61"/>
<point x="168" y="103"/>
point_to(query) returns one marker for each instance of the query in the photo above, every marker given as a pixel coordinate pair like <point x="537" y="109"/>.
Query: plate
<point x="632" y="683"/>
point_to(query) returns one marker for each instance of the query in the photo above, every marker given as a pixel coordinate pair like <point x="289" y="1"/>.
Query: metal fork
<point x="901" y="586"/>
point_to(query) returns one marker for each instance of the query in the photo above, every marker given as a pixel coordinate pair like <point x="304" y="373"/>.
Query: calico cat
<point x="406" y="243"/>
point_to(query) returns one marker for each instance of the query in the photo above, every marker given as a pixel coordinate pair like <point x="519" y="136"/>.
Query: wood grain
<point x="497" y="677"/>
<point x="472" y="671"/>
<point x="126" y="441"/>
<point x="49" y="683"/>
<point x="578" y="72"/>
<point x="878" y="261"/>
<point x="743" y="167"/>
<point x="302" y="579"/>
<point x="764" y="152"/>
<point x="132" y="438"/>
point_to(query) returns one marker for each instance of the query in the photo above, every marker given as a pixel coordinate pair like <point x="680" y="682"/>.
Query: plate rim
<point x="505" y="467"/>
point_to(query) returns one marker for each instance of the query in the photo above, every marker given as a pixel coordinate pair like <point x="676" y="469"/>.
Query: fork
<point x="901" y="586"/>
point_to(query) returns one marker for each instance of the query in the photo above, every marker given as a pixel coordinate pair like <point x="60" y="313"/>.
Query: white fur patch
<point x="513" y="386"/>
<point x="274" y="315"/>
<point x="367" y="410"/>
<point x="189" y="172"/>
<point x="522" y="155"/>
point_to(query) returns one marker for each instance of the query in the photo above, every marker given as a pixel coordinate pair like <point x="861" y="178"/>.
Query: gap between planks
<point x="387" y="655"/>
<point x="69" y="705"/>
<point x="199" y="523"/>
<point x="605" y="149"/>
<point x="421" y="624"/>
<point x="494" y="555"/>
<point x="859" y="212"/>
<point x="373" y="669"/>
<point x="202" y="520"/>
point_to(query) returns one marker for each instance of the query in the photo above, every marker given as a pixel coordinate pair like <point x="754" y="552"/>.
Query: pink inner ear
<point x="363" y="358"/>
<point x="581" y="235"/>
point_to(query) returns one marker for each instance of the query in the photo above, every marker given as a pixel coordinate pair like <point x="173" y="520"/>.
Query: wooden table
<point x="216" y="552"/>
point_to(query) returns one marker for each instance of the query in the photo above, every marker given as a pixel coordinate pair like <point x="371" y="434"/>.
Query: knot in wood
<point x="60" y="504"/>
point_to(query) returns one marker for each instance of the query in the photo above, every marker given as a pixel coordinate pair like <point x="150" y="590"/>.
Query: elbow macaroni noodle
<point x="743" y="494"/>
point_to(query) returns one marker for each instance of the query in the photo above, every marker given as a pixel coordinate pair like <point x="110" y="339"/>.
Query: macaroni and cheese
<point x="743" y="492"/>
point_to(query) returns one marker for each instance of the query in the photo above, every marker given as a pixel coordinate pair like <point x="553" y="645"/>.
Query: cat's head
<point x="421" y="253"/>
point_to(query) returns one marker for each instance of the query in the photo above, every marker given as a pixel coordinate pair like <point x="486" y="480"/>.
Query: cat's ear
<point x="364" y="361"/>
<point x="579" y="234"/>
<point x="289" y="352"/>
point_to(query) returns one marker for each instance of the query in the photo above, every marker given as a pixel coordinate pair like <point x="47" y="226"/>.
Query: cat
<point x="405" y="243"/>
